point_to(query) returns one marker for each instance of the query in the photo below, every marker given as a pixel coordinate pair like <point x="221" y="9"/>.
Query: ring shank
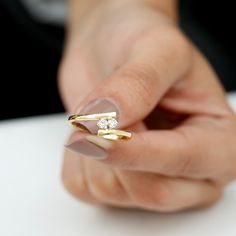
<point x="75" y="119"/>
<point x="113" y="134"/>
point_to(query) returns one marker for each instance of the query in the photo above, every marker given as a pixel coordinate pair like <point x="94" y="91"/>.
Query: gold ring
<point x="74" y="120"/>
<point x="113" y="134"/>
<point x="106" y="123"/>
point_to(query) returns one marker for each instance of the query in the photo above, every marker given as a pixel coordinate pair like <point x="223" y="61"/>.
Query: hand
<point x="134" y="59"/>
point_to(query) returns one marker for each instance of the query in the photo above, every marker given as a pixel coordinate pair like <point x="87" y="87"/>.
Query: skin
<point x="183" y="152"/>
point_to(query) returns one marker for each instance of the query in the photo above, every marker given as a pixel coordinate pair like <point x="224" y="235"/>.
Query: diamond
<point x="112" y="123"/>
<point x="107" y="123"/>
<point x="102" y="124"/>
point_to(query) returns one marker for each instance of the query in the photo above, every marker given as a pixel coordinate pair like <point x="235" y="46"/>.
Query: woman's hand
<point x="132" y="58"/>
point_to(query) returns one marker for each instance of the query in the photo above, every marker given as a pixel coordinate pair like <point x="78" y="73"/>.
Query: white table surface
<point x="33" y="201"/>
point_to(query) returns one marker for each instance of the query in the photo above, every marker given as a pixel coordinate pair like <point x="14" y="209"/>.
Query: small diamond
<point x="112" y="123"/>
<point x="102" y="124"/>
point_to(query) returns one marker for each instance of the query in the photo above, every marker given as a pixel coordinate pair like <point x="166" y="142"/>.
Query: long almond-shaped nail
<point x="101" y="105"/>
<point x="89" y="146"/>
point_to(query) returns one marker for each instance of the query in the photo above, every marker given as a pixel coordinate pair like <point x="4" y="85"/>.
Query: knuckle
<point x="155" y="197"/>
<point x="181" y="43"/>
<point x="178" y="46"/>
<point x="105" y="188"/>
<point x="184" y="165"/>
<point x="76" y="185"/>
<point x="186" y="160"/>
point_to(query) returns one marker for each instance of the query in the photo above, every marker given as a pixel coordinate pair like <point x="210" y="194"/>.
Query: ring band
<point x="113" y="134"/>
<point x="106" y="123"/>
<point x="75" y="119"/>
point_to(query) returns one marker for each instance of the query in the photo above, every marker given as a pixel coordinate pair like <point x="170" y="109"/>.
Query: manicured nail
<point x="99" y="141"/>
<point x="89" y="146"/>
<point x="101" y="105"/>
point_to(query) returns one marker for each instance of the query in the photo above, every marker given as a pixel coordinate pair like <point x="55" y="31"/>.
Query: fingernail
<point x="101" y="105"/>
<point x="89" y="146"/>
<point x="99" y="141"/>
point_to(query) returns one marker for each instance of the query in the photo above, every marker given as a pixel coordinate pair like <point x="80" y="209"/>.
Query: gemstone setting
<point x="102" y="124"/>
<point x="112" y="123"/>
<point x="107" y="123"/>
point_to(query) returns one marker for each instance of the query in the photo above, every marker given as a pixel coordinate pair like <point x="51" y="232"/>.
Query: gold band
<point x="106" y="130"/>
<point x="75" y="119"/>
<point x="113" y="134"/>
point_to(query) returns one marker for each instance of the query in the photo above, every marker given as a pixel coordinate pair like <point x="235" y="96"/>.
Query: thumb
<point x="135" y="89"/>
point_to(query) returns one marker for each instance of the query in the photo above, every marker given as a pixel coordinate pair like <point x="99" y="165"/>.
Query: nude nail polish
<point x="81" y="145"/>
